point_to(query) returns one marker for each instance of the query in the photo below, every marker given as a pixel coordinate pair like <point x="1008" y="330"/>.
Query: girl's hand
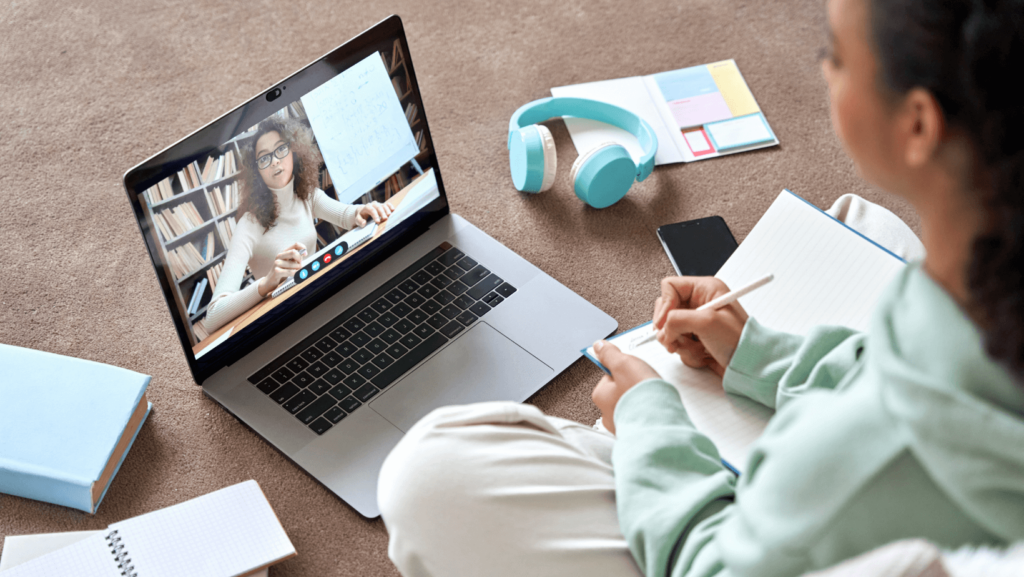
<point x="375" y="210"/>
<point x="285" y="265"/>
<point x="626" y="372"/>
<point x="701" y="338"/>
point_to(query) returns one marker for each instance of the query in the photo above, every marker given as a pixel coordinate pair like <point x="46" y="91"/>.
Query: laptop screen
<point x="266" y="212"/>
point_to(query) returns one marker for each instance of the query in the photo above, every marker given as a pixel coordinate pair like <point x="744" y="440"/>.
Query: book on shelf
<point x="199" y="329"/>
<point x="226" y="228"/>
<point x="179" y="220"/>
<point x="326" y="181"/>
<point x="197" y="296"/>
<point x="213" y="273"/>
<point x="193" y="174"/>
<point x="410" y="113"/>
<point x="223" y="201"/>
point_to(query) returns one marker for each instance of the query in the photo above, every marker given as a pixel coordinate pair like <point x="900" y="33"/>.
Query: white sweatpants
<point x="501" y="489"/>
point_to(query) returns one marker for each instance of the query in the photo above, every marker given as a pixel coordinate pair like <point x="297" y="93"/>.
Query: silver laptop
<point x="384" y="323"/>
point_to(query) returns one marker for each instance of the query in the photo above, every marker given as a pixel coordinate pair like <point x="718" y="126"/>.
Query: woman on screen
<point x="279" y="200"/>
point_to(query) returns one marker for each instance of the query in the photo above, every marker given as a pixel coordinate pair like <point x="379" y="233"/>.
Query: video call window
<point x="301" y="178"/>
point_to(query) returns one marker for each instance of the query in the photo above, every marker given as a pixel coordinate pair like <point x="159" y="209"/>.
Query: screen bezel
<point x="236" y="121"/>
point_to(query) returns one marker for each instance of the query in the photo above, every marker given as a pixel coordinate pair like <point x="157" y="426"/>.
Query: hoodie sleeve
<point x="772" y="367"/>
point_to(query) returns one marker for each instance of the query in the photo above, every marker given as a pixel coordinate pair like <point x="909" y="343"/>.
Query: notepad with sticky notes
<point x="698" y="113"/>
<point x="825" y="273"/>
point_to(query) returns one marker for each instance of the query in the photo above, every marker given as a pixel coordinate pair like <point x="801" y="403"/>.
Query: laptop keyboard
<point x="360" y="352"/>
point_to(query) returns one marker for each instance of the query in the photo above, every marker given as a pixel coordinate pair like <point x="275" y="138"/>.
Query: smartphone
<point x="697" y="247"/>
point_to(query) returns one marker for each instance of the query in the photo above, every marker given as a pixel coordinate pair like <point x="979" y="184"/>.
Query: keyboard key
<point x="490" y="296"/>
<point x="368" y="371"/>
<point x="388" y="319"/>
<point x="350" y="404"/>
<point x="409" y="286"/>
<point x="341" y="391"/>
<point x="362" y="356"/>
<point x="319" y="387"/>
<point x="334" y="415"/>
<point x="458" y="288"/>
<point x="267" y="386"/>
<point x="302" y="380"/>
<point x="359" y="339"/>
<point x="464" y="302"/>
<point x="467" y="318"/>
<point x="466" y="263"/>
<point x="312" y="354"/>
<point x="376" y="346"/>
<point x="476" y="275"/>
<point x="423" y="331"/>
<point x="440" y="281"/>
<point x="428" y="290"/>
<point x="449" y="258"/>
<point x="284" y="393"/>
<point x="443" y="298"/>
<point x="381" y="305"/>
<point x="403" y="326"/>
<point x="437" y="321"/>
<point x="326" y="344"/>
<point x="422" y="277"/>
<point x="283" y="375"/>
<point x="368" y="315"/>
<point x="395" y="296"/>
<point x="373" y="329"/>
<point x="451" y="311"/>
<point x="340" y="334"/>
<point x="332" y="358"/>
<point x="297" y="364"/>
<point x="416" y="317"/>
<point x="497" y="300"/>
<point x="354" y="381"/>
<point x="396" y="350"/>
<point x="383" y="361"/>
<point x="315" y="409"/>
<point x="320" y="426"/>
<point x="354" y="325"/>
<point x="410" y="360"/>
<point x="479" y="309"/>
<point x="430" y="307"/>
<point x="299" y="402"/>
<point x="454" y="273"/>
<point x="485" y="286"/>
<point x="451" y="329"/>
<point x="409" y="341"/>
<point x="347" y="349"/>
<point x="405" y="307"/>
<point x="366" y="392"/>
<point x="390" y="336"/>
<point x="317" y="369"/>
<point x="348" y="366"/>
<point x="334" y="376"/>
<point x="434" y="268"/>
<point x="505" y="290"/>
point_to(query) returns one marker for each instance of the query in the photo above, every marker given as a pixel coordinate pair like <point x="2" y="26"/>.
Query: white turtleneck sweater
<point x="250" y="245"/>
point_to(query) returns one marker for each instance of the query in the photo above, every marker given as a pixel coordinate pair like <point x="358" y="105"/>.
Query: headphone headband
<point x="547" y="108"/>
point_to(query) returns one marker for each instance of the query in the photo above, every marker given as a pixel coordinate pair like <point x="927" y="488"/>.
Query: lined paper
<point x="825" y="273"/>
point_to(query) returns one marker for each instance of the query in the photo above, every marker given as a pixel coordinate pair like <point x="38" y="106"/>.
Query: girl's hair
<point x="258" y="200"/>
<point x="969" y="55"/>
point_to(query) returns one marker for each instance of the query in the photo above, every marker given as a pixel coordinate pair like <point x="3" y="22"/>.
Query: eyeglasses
<point x="264" y="161"/>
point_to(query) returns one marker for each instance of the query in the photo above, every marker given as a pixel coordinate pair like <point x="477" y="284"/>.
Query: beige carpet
<point x="90" y="89"/>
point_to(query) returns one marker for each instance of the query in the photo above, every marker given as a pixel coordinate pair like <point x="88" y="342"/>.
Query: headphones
<point x="602" y="176"/>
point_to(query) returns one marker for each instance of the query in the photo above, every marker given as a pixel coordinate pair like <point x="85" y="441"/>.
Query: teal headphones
<point x="602" y="176"/>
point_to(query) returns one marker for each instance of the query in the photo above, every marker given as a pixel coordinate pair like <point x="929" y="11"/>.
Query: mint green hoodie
<point x="906" y="431"/>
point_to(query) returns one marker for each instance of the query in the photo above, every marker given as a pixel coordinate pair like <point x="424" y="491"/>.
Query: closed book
<point x="92" y="414"/>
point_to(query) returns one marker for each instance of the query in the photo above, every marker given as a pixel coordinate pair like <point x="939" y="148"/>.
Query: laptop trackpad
<point x="482" y="365"/>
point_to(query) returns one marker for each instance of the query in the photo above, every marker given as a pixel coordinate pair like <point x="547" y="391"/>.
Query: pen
<point x="724" y="300"/>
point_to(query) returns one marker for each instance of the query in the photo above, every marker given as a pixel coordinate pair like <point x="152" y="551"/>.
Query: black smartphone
<point x="697" y="247"/>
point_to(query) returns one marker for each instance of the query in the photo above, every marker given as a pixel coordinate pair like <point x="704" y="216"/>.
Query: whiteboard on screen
<point x="360" y="127"/>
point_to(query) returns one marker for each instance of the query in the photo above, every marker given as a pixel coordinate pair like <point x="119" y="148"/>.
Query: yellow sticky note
<point x="733" y="88"/>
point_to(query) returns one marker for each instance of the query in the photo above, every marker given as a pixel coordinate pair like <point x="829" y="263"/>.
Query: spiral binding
<point x="124" y="562"/>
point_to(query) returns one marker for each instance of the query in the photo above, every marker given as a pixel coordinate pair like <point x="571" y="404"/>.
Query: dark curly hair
<point x="968" y="54"/>
<point x="255" y="198"/>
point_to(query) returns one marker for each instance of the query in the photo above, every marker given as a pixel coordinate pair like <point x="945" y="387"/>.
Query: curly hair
<point x="967" y="53"/>
<point x="258" y="200"/>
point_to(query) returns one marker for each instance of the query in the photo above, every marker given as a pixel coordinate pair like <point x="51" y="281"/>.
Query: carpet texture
<point x="91" y="89"/>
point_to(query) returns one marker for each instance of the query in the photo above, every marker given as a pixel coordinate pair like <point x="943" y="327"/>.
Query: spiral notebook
<point x="230" y="532"/>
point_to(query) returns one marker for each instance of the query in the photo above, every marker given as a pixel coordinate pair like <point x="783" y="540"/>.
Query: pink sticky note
<point x="698" y="110"/>
<point x="698" y="143"/>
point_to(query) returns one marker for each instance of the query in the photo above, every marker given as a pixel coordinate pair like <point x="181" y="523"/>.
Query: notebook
<point x="229" y="532"/>
<point x="92" y="414"/>
<point x="698" y="113"/>
<point x="825" y="273"/>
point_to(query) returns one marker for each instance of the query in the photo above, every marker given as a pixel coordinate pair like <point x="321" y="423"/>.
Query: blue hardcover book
<point x="66" y="425"/>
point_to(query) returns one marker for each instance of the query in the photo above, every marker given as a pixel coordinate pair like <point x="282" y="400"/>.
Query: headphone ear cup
<point x="603" y="175"/>
<point x="550" y="157"/>
<point x="532" y="159"/>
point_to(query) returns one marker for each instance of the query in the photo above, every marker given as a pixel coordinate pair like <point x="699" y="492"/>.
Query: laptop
<point x="418" y="311"/>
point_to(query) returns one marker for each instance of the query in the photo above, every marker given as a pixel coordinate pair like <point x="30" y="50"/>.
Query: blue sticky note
<point x="686" y="83"/>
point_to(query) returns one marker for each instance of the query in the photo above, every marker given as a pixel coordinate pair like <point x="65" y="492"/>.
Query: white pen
<point x="726" y="299"/>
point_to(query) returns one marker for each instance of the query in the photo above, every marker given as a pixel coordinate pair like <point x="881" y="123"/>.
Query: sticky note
<point x="699" y="110"/>
<point x="734" y="89"/>
<point x="698" y="143"/>
<point x="685" y="83"/>
<point x="743" y="131"/>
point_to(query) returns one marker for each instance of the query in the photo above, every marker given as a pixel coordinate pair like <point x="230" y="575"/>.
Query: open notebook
<point x="229" y="532"/>
<point x="825" y="273"/>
